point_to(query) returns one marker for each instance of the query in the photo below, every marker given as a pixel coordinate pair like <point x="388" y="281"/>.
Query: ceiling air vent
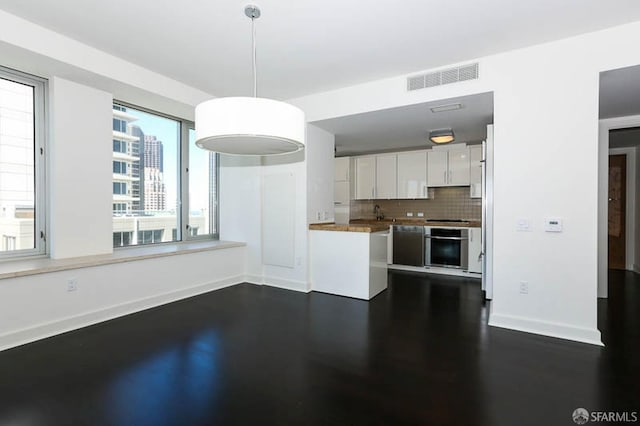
<point x="439" y="78"/>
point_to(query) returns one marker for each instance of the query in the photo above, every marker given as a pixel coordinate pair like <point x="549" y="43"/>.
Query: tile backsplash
<point x="444" y="203"/>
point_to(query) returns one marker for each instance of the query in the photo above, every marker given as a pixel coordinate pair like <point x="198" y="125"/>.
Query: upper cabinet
<point x="412" y="175"/>
<point x="341" y="169"/>
<point x="365" y="177"/>
<point x="475" y="171"/>
<point x="386" y="175"/>
<point x="448" y="167"/>
<point x="376" y="177"/>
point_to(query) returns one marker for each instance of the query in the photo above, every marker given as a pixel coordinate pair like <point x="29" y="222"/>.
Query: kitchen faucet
<point x="378" y="212"/>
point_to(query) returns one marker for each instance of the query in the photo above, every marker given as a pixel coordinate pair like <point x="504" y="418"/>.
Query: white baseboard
<point x="287" y="284"/>
<point x="544" y="328"/>
<point x="254" y="279"/>
<point x="42" y="331"/>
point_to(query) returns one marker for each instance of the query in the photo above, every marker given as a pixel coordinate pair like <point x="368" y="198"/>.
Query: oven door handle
<point x="447" y="238"/>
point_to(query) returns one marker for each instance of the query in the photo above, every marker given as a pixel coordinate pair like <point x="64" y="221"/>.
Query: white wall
<point x="39" y="306"/>
<point x="546" y="163"/>
<point x="320" y="174"/>
<point x="80" y="175"/>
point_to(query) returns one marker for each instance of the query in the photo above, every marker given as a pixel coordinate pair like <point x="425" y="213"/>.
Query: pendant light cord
<point x="253" y="43"/>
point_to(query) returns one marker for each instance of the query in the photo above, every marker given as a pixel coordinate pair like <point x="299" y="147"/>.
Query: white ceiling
<point x="311" y="46"/>
<point x="620" y="92"/>
<point x="408" y="127"/>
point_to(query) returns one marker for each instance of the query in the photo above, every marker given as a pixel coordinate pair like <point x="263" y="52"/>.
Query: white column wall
<point x="80" y="171"/>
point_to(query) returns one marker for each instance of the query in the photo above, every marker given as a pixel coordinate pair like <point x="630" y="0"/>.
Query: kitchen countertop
<point x="416" y="222"/>
<point x="352" y="227"/>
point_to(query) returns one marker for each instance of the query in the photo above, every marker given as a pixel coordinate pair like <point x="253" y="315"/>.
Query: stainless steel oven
<point x="447" y="247"/>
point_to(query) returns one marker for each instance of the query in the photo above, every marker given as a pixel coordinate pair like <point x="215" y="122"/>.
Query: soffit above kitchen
<point x="313" y="46"/>
<point x="406" y="128"/>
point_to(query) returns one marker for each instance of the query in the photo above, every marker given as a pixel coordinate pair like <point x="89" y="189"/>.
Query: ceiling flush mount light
<point x="441" y="136"/>
<point x="250" y="125"/>
<point x="448" y="107"/>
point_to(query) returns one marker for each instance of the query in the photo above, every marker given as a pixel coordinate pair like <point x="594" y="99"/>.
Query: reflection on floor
<point x="419" y="353"/>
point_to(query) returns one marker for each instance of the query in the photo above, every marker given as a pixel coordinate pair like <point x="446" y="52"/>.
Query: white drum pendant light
<point x="250" y="126"/>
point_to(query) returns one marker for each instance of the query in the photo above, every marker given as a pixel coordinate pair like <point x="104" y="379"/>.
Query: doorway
<point x="617" y="205"/>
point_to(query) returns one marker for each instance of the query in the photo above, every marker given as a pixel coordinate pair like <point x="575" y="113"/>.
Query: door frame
<point x="604" y="126"/>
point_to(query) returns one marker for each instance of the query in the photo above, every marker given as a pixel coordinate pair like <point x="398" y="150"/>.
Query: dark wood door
<point x="617" y="209"/>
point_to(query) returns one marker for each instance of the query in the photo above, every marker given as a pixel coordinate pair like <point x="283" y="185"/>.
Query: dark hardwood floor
<point x="419" y="353"/>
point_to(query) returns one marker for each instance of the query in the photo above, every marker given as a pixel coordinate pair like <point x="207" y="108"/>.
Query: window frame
<point x="40" y="198"/>
<point x="182" y="221"/>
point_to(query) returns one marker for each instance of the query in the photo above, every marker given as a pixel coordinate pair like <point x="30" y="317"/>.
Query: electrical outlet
<point x="318" y="216"/>
<point x="72" y="284"/>
<point x="420" y="214"/>
<point x="524" y="287"/>
<point x="325" y="215"/>
<point x="409" y="214"/>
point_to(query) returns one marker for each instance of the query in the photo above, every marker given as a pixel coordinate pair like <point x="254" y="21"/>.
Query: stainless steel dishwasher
<point x="408" y="245"/>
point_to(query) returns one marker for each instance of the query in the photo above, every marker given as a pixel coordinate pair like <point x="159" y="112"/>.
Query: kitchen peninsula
<point x="349" y="260"/>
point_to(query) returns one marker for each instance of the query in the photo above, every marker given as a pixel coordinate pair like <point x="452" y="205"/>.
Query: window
<point x="120" y="167"/>
<point x="149" y="237"/>
<point x="22" y="107"/>
<point x="122" y="239"/>
<point x="164" y="187"/>
<point x="119" y="188"/>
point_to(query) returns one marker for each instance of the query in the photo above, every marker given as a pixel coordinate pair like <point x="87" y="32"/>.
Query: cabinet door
<point x="412" y="175"/>
<point x="341" y="193"/>
<point x="475" y="247"/>
<point x="365" y="177"/>
<point x="386" y="176"/>
<point x="458" y="174"/>
<point x="341" y="169"/>
<point x="437" y="168"/>
<point x="475" y="170"/>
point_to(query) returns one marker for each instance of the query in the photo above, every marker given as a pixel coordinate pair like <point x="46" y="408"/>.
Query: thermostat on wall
<point x="553" y="224"/>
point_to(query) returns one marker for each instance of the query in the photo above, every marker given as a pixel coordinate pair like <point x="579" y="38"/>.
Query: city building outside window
<point x="22" y="144"/>
<point x="164" y="187"/>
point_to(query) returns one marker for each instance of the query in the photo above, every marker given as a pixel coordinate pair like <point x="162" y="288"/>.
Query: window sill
<point x="26" y="267"/>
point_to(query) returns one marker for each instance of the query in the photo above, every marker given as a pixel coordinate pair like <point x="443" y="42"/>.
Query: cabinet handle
<point x="450" y="176"/>
<point x="470" y="235"/>
<point x="445" y="176"/>
<point x="372" y="193"/>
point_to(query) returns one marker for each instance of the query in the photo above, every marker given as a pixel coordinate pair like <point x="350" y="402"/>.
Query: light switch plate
<point x="523" y="225"/>
<point x="553" y="224"/>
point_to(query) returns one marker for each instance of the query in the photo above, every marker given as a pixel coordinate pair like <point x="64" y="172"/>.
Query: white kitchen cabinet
<point x="458" y="167"/>
<point x="341" y="193"/>
<point x="475" y="248"/>
<point x="386" y="176"/>
<point x="412" y="175"/>
<point x="341" y="169"/>
<point x="365" y="177"/>
<point x="475" y="171"/>
<point x="448" y="167"/>
<point x="437" y="167"/>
